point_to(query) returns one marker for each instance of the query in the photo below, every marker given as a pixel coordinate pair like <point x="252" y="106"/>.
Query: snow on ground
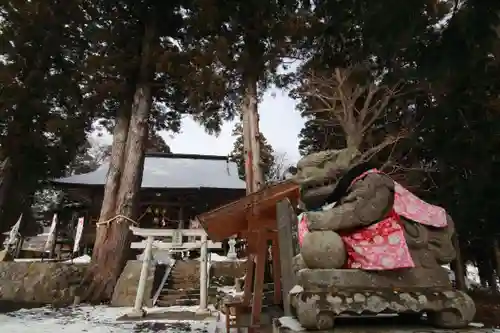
<point x="229" y="290"/>
<point x="214" y="257"/>
<point x="85" y="259"/>
<point x="472" y="279"/>
<point x="98" y="319"/>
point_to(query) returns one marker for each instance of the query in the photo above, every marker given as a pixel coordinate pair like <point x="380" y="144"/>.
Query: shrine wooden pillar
<point x="254" y="278"/>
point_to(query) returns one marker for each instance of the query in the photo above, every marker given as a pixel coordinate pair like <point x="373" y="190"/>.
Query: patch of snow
<point x="99" y="319"/>
<point x="218" y="258"/>
<point x="177" y="308"/>
<point x="229" y="290"/>
<point x="161" y="257"/>
<point x="472" y="279"/>
<point x="476" y="325"/>
<point x="291" y="323"/>
<point x="33" y="260"/>
<point x="85" y="259"/>
<point x="296" y="289"/>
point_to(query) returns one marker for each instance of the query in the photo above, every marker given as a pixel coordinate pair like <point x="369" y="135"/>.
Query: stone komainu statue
<point x="368" y="246"/>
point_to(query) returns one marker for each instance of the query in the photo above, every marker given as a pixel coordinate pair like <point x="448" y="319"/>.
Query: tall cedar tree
<point x="238" y="154"/>
<point x="465" y="87"/>
<point x="245" y="41"/>
<point x="142" y="81"/>
<point x="42" y="121"/>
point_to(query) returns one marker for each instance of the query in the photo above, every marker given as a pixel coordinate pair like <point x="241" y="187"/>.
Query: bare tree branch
<point x="279" y="167"/>
<point x="349" y="97"/>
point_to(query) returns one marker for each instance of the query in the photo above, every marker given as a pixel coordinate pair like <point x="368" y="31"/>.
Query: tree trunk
<point x="112" y="244"/>
<point x="496" y="258"/>
<point x="247" y="149"/>
<point x="458" y="266"/>
<point x="6" y="176"/>
<point x="116" y="166"/>
<point x="251" y="110"/>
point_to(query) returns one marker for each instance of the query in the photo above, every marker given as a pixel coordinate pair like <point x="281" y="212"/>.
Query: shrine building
<point x="175" y="189"/>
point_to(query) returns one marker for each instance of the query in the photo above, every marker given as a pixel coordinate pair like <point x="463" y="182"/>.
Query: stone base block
<point x="350" y="279"/>
<point x="323" y="295"/>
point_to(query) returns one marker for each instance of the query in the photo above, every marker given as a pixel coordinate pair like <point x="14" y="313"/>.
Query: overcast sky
<point x="279" y="122"/>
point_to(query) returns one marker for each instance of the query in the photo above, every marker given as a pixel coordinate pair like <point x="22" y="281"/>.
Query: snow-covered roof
<point x="173" y="171"/>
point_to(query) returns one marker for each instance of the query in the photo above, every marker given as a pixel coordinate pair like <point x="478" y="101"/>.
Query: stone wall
<point x="126" y="287"/>
<point x="186" y="273"/>
<point x="40" y="283"/>
<point x="223" y="273"/>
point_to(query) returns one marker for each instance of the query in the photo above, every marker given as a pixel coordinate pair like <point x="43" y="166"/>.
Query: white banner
<point x="14" y="232"/>
<point x="78" y="234"/>
<point x="52" y="234"/>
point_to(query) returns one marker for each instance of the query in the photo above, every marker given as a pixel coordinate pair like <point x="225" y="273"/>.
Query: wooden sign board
<point x="289" y="247"/>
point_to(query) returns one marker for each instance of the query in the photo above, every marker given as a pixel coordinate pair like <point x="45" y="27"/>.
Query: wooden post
<point x="54" y="242"/>
<point x="275" y="248"/>
<point x="19" y="246"/>
<point x="203" y="273"/>
<point x="286" y="218"/>
<point x="247" y="291"/>
<point x="180" y="217"/>
<point x="141" y="288"/>
<point x="258" y="287"/>
<point x="496" y="260"/>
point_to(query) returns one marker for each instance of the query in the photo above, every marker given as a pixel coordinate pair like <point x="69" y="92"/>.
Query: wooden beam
<point x="286" y="218"/>
<point x="145" y="232"/>
<point x="247" y="293"/>
<point x="166" y="246"/>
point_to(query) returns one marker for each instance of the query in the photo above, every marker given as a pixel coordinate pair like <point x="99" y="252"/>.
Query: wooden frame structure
<point x="254" y="219"/>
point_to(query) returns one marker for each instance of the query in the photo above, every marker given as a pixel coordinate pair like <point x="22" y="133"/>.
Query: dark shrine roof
<point x="172" y="171"/>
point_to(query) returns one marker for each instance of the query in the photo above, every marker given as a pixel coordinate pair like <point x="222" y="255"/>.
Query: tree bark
<point x="116" y="165"/>
<point x="6" y="175"/>
<point x="250" y="109"/>
<point x="247" y="149"/>
<point x="458" y="266"/>
<point x="123" y="182"/>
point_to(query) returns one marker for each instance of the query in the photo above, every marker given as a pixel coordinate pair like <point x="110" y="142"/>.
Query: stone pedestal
<point x="290" y="325"/>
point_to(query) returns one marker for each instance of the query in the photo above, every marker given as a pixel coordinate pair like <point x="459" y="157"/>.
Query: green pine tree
<point x="266" y="154"/>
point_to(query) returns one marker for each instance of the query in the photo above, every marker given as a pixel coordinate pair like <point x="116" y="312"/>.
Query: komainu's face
<point x="318" y="174"/>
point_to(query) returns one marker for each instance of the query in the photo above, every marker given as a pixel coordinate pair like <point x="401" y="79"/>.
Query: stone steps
<point x="183" y="285"/>
<point x="169" y="297"/>
<point x="184" y="275"/>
